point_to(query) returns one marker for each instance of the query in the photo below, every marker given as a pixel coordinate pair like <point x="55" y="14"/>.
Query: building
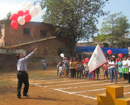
<point x="30" y="36"/>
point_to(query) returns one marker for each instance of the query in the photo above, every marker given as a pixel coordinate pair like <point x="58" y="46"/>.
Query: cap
<point x="113" y="56"/>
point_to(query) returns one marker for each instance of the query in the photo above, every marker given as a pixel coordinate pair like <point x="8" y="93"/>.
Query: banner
<point x="97" y="59"/>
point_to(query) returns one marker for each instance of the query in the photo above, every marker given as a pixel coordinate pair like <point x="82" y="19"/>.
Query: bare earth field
<point x="48" y="89"/>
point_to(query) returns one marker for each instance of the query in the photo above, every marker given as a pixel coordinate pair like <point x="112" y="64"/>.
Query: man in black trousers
<point x="22" y="74"/>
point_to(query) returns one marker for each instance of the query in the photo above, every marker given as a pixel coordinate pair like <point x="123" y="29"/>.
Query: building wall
<point x="46" y="49"/>
<point x="16" y="36"/>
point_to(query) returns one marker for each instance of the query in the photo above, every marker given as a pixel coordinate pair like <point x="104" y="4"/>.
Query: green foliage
<point x="76" y="19"/>
<point x="115" y="25"/>
<point x="102" y="38"/>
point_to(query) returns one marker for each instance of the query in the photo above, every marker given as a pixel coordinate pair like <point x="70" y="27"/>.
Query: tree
<point x="115" y="25"/>
<point x="75" y="19"/>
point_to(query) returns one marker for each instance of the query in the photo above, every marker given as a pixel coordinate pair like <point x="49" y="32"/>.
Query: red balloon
<point x="14" y="24"/>
<point x="83" y="61"/>
<point x="120" y="55"/>
<point x="26" y="12"/>
<point x="14" y="17"/>
<point x="109" y="52"/>
<point x="20" y="13"/>
<point x="27" y="18"/>
<point x="87" y="60"/>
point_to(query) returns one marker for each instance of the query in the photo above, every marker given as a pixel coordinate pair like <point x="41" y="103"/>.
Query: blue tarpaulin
<point x="90" y="49"/>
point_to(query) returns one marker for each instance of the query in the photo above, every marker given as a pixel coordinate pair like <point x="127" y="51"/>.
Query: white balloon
<point x="62" y="55"/>
<point x="21" y="20"/>
<point x="39" y="8"/>
<point x="24" y="3"/>
<point x="29" y="5"/>
<point x="23" y="9"/>
<point x="33" y="11"/>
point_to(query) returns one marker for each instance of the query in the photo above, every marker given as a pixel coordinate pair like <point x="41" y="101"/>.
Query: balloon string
<point x="33" y="38"/>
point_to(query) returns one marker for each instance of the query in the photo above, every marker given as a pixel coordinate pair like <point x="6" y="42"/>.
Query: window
<point x="26" y="31"/>
<point x="43" y="33"/>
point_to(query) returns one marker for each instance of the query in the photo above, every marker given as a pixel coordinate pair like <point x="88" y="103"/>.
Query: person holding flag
<point x="97" y="59"/>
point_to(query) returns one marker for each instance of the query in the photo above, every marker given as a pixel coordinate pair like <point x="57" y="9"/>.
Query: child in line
<point x="58" y="65"/>
<point x="105" y="66"/>
<point x="86" y="69"/>
<point x="78" y="67"/>
<point x="90" y="76"/>
<point x="61" y="70"/>
<point x="120" y="68"/>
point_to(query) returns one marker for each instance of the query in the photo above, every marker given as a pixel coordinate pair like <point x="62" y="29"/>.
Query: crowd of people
<point x="113" y="69"/>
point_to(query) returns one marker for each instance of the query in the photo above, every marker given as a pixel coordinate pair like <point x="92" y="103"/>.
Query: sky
<point x="114" y="6"/>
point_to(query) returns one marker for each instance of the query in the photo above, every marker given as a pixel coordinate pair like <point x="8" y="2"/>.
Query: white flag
<point x="97" y="59"/>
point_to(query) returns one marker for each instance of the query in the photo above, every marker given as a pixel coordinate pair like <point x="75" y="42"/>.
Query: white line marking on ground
<point x="97" y="89"/>
<point x="127" y="93"/>
<point x="90" y="85"/>
<point x="36" y="84"/>
<point x="74" y="93"/>
<point x="76" y="83"/>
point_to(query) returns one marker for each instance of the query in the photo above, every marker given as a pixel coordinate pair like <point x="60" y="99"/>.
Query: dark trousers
<point x="79" y="73"/>
<point x="73" y="73"/>
<point x="125" y="76"/>
<point x="129" y="77"/>
<point x="22" y="78"/>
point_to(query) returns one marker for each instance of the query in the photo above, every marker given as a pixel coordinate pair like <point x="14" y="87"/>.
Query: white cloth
<point x="22" y="65"/>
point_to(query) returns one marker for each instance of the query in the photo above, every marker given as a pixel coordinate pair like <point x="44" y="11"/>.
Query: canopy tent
<point x="90" y="49"/>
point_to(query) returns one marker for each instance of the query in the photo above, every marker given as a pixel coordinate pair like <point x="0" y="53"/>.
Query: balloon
<point x="20" y="13"/>
<point x="62" y="55"/>
<point x="39" y="8"/>
<point x="14" y="17"/>
<point x="23" y="9"/>
<point x="27" y="18"/>
<point x="26" y="12"/>
<point x="87" y="60"/>
<point x="33" y="11"/>
<point x="29" y="5"/>
<point x="83" y="61"/>
<point x="109" y="52"/>
<point x="120" y="55"/>
<point x="21" y="20"/>
<point x="14" y="24"/>
<point x="117" y="60"/>
<point x="24" y="3"/>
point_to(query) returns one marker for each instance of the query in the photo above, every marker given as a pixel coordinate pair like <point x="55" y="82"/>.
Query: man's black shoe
<point x="19" y="97"/>
<point x="26" y="95"/>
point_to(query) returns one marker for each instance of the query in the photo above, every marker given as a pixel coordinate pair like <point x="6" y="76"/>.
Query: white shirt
<point x="60" y="69"/>
<point x="128" y="64"/>
<point x="22" y="65"/>
<point x="113" y="66"/>
<point x="124" y="64"/>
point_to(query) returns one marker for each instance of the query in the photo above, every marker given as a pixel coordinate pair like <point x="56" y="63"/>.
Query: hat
<point x="113" y="56"/>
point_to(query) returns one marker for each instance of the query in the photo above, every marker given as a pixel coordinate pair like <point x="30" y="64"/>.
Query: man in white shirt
<point x="22" y="74"/>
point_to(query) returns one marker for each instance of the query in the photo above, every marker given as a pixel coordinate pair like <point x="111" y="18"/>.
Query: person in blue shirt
<point x="44" y="64"/>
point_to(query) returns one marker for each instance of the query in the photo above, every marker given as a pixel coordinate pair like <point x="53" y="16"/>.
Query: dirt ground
<point x="47" y="89"/>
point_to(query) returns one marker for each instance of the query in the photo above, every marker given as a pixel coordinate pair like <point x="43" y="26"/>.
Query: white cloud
<point x="5" y="8"/>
